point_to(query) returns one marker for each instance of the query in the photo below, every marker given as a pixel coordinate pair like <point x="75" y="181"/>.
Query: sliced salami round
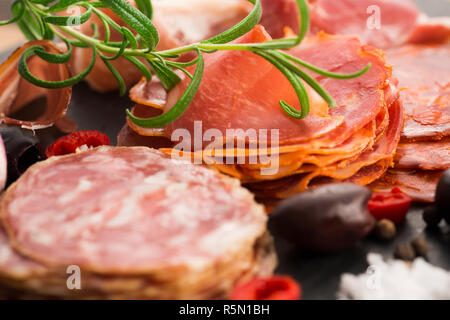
<point x="129" y="211"/>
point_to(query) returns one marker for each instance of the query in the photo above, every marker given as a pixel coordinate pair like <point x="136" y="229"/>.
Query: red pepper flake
<point x="392" y="205"/>
<point x="274" y="288"/>
<point x="70" y="143"/>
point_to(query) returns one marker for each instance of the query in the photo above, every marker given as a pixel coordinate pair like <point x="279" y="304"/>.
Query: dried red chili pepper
<point x="70" y="143"/>
<point x="274" y="288"/>
<point x="392" y="205"/>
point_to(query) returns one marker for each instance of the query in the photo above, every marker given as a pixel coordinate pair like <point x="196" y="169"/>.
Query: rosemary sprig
<point x="39" y="19"/>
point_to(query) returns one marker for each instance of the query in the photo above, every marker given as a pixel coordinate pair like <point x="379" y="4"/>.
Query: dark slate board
<point x="318" y="274"/>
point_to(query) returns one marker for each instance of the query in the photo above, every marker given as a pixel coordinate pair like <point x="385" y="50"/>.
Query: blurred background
<point x="10" y="36"/>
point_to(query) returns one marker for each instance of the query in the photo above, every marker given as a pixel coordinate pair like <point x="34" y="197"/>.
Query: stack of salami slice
<point x="129" y="223"/>
<point x="355" y="141"/>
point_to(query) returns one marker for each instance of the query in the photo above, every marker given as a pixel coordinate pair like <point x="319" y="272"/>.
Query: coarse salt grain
<point x="396" y="280"/>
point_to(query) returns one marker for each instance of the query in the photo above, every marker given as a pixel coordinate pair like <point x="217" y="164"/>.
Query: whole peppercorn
<point x="420" y="246"/>
<point x="405" y="251"/>
<point x="385" y="230"/>
<point x="432" y="216"/>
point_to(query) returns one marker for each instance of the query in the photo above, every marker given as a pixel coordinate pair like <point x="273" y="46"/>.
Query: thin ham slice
<point x="419" y="184"/>
<point x="424" y="72"/>
<point x="242" y="91"/>
<point x="365" y="169"/>
<point x="279" y="14"/>
<point x="229" y="98"/>
<point x="16" y="93"/>
<point x="352" y="17"/>
<point x="426" y="155"/>
<point x="368" y="92"/>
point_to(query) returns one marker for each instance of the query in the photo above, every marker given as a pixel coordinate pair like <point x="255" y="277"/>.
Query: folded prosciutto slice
<point x="16" y="94"/>
<point x="138" y="224"/>
<point x="241" y="91"/>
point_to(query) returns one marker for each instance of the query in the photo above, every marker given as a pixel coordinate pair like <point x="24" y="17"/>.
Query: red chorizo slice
<point x="129" y="210"/>
<point x="426" y="155"/>
<point x="426" y="98"/>
<point x="419" y="184"/>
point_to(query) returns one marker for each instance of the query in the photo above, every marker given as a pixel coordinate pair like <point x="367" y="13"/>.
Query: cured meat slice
<point x="419" y="184"/>
<point x="424" y="72"/>
<point x="177" y="23"/>
<point x="279" y="14"/>
<point x="16" y="93"/>
<point x="381" y="23"/>
<point x="362" y="141"/>
<point x="366" y="168"/>
<point x="301" y="161"/>
<point x="223" y="106"/>
<point x="426" y="155"/>
<point x="199" y="20"/>
<point x="151" y="214"/>
<point x="369" y="92"/>
<point x="290" y="158"/>
<point x="242" y="91"/>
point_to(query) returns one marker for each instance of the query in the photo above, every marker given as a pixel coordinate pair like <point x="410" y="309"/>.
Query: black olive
<point x="443" y="195"/>
<point x="22" y="150"/>
<point x="329" y="218"/>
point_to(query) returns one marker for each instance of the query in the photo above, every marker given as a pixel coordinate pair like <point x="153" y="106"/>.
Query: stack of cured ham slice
<point x="132" y="224"/>
<point x="424" y="151"/>
<point x="418" y="48"/>
<point x="355" y="141"/>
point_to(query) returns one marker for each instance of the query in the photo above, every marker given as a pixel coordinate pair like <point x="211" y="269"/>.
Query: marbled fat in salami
<point x="129" y="210"/>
